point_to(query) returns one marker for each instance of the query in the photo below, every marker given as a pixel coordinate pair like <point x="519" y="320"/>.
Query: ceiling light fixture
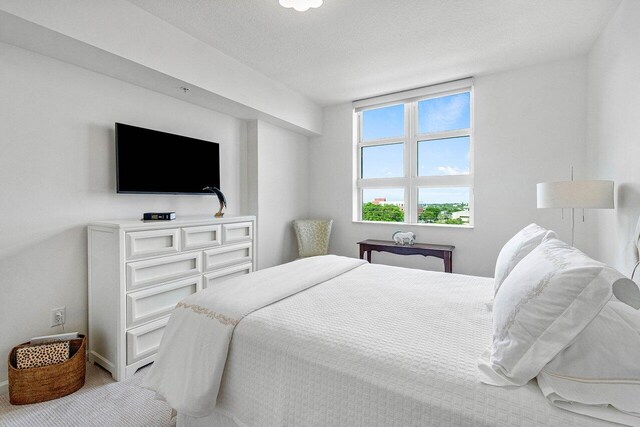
<point x="301" y="5"/>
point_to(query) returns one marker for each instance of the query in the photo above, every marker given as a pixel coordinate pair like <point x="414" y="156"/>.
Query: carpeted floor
<point x="101" y="402"/>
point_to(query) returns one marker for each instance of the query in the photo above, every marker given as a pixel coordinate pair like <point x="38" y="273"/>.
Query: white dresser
<point x="139" y="271"/>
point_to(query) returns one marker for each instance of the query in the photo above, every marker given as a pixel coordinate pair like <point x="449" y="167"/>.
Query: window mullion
<point x="444" y="135"/>
<point x="384" y="141"/>
<point x="358" y="155"/>
<point x="411" y="205"/>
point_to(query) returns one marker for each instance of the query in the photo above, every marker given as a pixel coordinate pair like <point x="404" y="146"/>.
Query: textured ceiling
<point x="353" y="49"/>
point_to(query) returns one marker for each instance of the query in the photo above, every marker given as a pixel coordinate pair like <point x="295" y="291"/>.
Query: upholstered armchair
<point x="313" y="236"/>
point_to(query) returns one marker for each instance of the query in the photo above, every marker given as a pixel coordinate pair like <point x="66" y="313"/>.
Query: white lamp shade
<point x="576" y="194"/>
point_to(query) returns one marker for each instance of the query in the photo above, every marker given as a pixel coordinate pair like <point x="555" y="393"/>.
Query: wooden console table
<point x="444" y="252"/>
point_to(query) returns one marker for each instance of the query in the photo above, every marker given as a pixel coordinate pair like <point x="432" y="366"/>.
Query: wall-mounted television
<point x="150" y="161"/>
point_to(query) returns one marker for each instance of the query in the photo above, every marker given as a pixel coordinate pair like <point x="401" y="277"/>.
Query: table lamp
<point x="595" y="194"/>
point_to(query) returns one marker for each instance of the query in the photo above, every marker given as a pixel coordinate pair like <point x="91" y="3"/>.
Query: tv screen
<point x="150" y="161"/>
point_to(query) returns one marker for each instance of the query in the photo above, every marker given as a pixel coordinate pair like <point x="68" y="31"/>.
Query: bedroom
<point x="554" y="86"/>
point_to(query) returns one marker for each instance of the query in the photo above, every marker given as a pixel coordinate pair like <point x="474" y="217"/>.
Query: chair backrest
<point x="313" y="236"/>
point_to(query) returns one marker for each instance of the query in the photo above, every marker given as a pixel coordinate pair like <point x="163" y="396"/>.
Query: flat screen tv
<point x="150" y="161"/>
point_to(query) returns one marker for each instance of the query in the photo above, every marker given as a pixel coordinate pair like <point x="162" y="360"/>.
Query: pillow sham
<point x="544" y="303"/>
<point x="516" y="249"/>
<point x="599" y="368"/>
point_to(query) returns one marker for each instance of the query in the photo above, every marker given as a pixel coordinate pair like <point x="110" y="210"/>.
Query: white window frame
<point x="411" y="182"/>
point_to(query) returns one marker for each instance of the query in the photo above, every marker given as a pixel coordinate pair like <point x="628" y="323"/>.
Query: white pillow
<point x="544" y="303"/>
<point x="516" y="249"/>
<point x="600" y="367"/>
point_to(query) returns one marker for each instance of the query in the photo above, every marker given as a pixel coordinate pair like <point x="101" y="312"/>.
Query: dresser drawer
<point x="238" y="232"/>
<point x="215" y="277"/>
<point x="158" y="270"/>
<point x="153" y="303"/>
<point x="144" y="341"/>
<point x="225" y="256"/>
<point x="150" y="243"/>
<point x="201" y="237"/>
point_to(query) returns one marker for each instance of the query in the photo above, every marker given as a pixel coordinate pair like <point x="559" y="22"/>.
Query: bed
<point x="376" y="346"/>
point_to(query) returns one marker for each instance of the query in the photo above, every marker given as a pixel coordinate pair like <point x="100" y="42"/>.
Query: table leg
<point x="369" y="256"/>
<point x="448" y="264"/>
<point x="361" y="252"/>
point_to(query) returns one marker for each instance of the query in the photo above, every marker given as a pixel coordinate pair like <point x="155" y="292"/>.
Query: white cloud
<point x="446" y="113"/>
<point x="452" y="170"/>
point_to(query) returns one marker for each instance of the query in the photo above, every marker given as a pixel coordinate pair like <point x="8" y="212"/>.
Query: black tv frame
<point x="195" y="193"/>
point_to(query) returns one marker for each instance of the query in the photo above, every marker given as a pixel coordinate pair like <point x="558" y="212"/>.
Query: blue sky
<point x="445" y="113"/>
<point x="425" y="195"/>
<point x="435" y="157"/>
<point x="384" y="122"/>
<point x="443" y="195"/>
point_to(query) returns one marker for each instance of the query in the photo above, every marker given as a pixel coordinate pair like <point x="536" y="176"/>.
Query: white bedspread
<point x="377" y="346"/>
<point x="193" y="352"/>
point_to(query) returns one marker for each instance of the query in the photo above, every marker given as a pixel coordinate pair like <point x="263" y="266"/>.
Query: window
<point x="414" y="155"/>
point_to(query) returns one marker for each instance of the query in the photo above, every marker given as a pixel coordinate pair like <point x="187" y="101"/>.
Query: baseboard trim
<point x="4" y="387"/>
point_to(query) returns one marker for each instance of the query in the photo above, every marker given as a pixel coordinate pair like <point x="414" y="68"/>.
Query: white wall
<point x="279" y="187"/>
<point x="529" y="127"/>
<point x="614" y="133"/>
<point x="57" y="173"/>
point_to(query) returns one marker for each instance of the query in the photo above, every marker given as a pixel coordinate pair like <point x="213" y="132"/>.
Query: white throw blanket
<point x="193" y="352"/>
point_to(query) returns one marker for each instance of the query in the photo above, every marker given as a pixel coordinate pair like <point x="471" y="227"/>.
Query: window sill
<point x="403" y="224"/>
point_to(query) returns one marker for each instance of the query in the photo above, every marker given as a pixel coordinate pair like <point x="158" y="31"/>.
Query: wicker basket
<point x="35" y="385"/>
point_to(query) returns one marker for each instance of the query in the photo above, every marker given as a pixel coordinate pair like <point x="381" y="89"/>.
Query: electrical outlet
<point x="58" y="316"/>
